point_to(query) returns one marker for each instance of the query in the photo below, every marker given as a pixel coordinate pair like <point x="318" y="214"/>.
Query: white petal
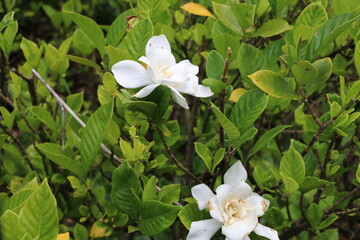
<point x="203" y="230"/>
<point x="158" y="51"/>
<point x="203" y="91"/>
<point x="178" y="98"/>
<point x="241" y="228"/>
<point x="217" y="203"/>
<point x="146" y="90"/>
<point x="240" y="191"/>
<point x="157" y="42"/>
<point x="258" y="204"/>
<point x="191" y="68"/>
<point x="150" y="69"/>
<point x="235" y="174"/>
<point x="130" y="74"/>
<point x="202" y="194"/>
<point x="267" y="232"/>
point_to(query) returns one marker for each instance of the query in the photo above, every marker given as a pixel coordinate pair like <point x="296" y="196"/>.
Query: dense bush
<point x="97" y="144"/>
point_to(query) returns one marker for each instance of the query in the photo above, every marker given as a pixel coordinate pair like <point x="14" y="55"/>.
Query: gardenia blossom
<point x="235" y="209"/>
<point x="161" y="69"/>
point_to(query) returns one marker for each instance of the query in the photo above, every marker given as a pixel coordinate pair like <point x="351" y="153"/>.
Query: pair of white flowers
<point x="161" y="69"/>
<point x="235" y="209"/>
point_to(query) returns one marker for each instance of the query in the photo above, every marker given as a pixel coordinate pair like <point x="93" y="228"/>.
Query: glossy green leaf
<point x="248" y="109"/>
<point x="324" y="70"/>
<point x="142" y="106"/>
<point x="32" y="52"/>
<point x="90" y="27"/>
<point x="218" y="157"/>
<point x="191" y="213"/>
<point x="38" y="217"/>
<point x="117" y="28"/>
<point x="215" y="85"/>
<point x="94" y="133"/>
<point x="156" y="217"/>
<point x="244" y="14"/>
<point x="227" y="17"/>
<point x="75" y="101"/>
<point x="80" y="232"/>
<point x="205" y="154"/>
<point x="136" y="39"/>
<point x="274" y="217"/>
<point x="116" y="55"/>
<point x="313" y="15"/>
<point x="358" y="173"/>
<point x="311" y="182"/>
<point x="266" y="138"/>
<point x="230" y="129"/>
<point x="44" y="116"/>
<point x="290" y="159"/>
<point x="272" y="27"/>
<point x="304" y="72"/>
<point x="149" y="192"/>
<point x="314" y="214"/>
<point x="290" y="184"/>
<point x="7" y="38"/>
<point x="9" y="222"/>
<point x="250" y="59"/>
<point x="357" y="57"/>
<point x="83" y="61"/>
<point x="125" y="190"/>
<point x="55" y="154"/>
<point x="214" y="65"/>
<point x="327" y="222"/>
<point x="169" y="193"/>
<point x="273" y="84"/>
<point x="55" y="60"/>
<point x="329" y="31"/>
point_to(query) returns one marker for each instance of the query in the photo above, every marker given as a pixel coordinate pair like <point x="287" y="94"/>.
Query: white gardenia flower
<point x="235" y="209"/>
<point x="161" y="69"/>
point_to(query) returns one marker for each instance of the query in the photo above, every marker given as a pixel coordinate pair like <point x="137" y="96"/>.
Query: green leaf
<point x="141" y="106"/>
<point x="55" y="154"/>
<point x="248" y="65"/>
<point x="136" y="39"/>
<point x="290" y="184"/>
<point x="117" y="28"/>
<point x="80" y="232"/>
<point x="155" y="9"/>
<point x="266" y="138"/>
<point x="55" y="60"/>
<point x="327" y="222"/>
<point x="314" y="214"/>
<point x="90" y="27"/>
<point x="272" y="27"/>
<point x="81" y="43"/>
<point x="75" y="101"/>
<point x="191" y="213"/>
<point x="274" y="217"/>
<point x="218" y="157"/>
<point x="358" y="173"/>
<point x="8" y="223"/>
<point x="116" y="55"/>
<point x="205" y="154"/>
<point x="216" y="86"/>
<point x="214" y="65"/>
<point x="156" y="217"/>
<point x="44" y="116"/>
<point x="94" y="133"/>
<point x="227" y="17"/>
<point x="352" y="92"/>
<point x="324" y="70"/>
<point x="149" y="192"/>
<point x="83" y="61"/>
<point x="304" y="72"/>
<point x="273" y="84"/>
<point x="244" y="14"/>
<point x="357" y="57"/>
<point x="248" y="109"/>
<point x="313" y="15"/>
<point x="169" y="194"/>
<point x="7" y="38"/>
<point x="31" y="52"/>
<point x="290" y="159"/>
<point x="39" y="217"/>
<point x="311" y="182"/>
<point x="230" y="129"/>
<point x="6" y="20"/>
<point x="125" y="190"/>
<point x="329" y="31"/>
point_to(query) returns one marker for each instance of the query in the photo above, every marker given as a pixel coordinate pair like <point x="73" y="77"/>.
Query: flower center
<point x="235" y="210"/>
<point x="163" y="72"/>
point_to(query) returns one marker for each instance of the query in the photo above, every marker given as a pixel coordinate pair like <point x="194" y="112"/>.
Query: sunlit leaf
<point x="196" y="9"/>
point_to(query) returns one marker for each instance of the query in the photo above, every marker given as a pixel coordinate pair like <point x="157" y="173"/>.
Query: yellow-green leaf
<point x="236" y="94"/>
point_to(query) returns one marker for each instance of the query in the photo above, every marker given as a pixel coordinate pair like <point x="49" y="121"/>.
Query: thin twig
<point x="173" y="158"/>
<point x="107" y="151"/>
<point x="345" y="212"/>
<point x="337" y="203"/>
